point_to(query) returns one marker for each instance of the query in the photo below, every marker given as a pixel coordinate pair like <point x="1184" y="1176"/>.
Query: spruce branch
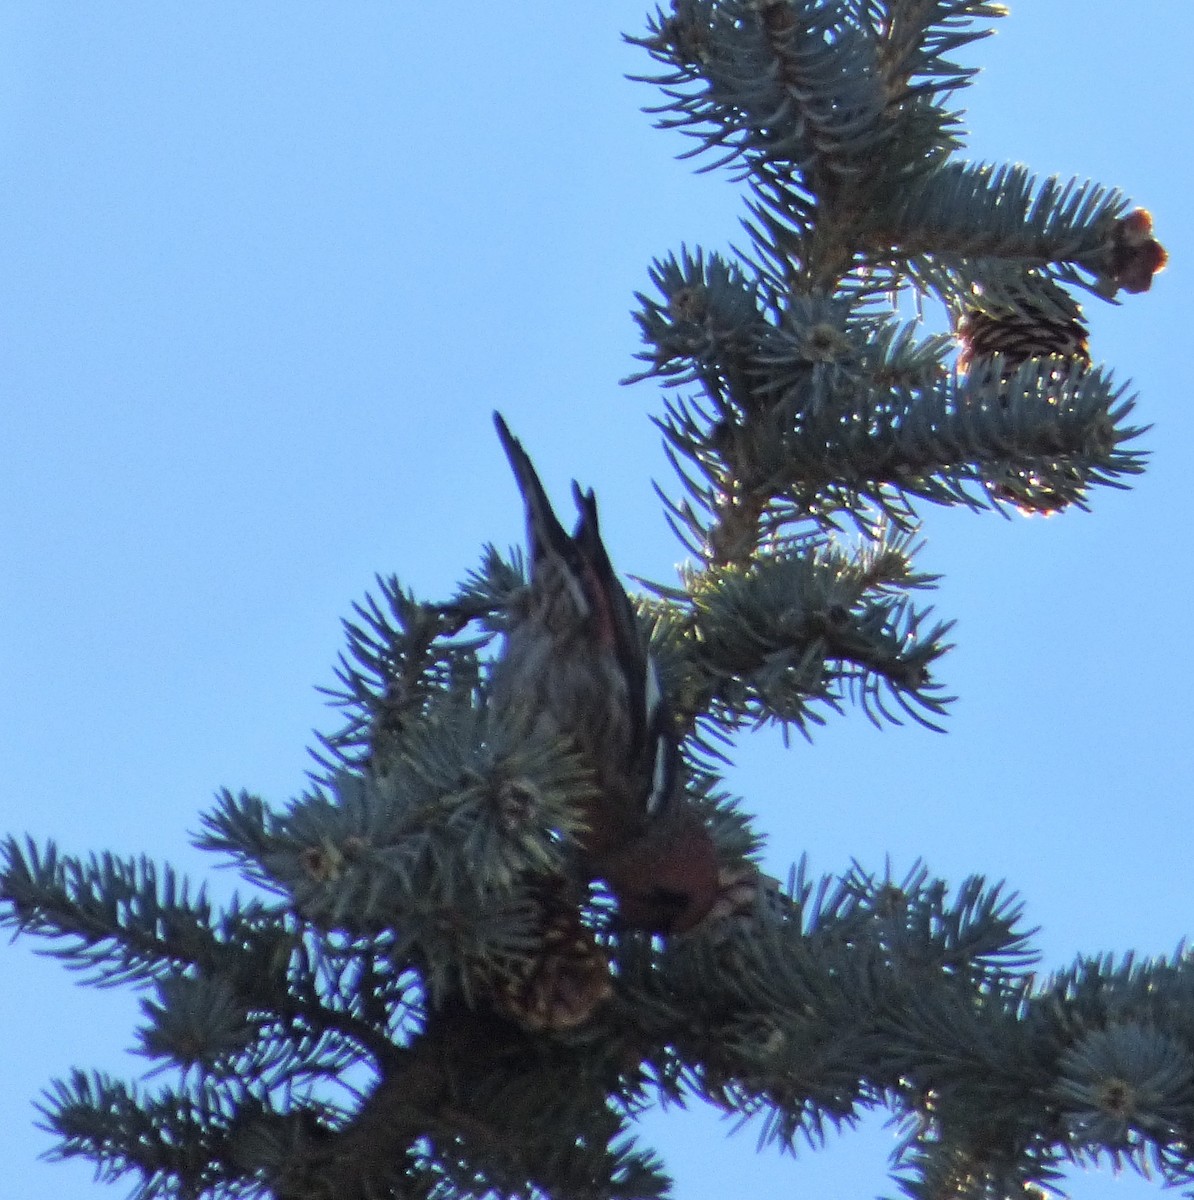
<point x="124" y="920"/>
<point x="401" y="653"/>
<point x="174" y="1145"/>
<point x="794" y="634"/>
<point x="813" y="401"/>
<point x="435" y="999"/>
<point x="980" y="210"/>
<point x="802" y="1010"/>
<point x="818" y="88"/>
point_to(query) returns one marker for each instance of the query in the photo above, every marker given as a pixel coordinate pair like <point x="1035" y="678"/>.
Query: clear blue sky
<point x="266" y="268"/>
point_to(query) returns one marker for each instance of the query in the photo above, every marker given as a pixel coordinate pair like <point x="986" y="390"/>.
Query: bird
<point x="576" y="662"/>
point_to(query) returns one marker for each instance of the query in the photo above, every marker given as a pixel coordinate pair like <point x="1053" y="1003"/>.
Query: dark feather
<point x="576" y="662"/>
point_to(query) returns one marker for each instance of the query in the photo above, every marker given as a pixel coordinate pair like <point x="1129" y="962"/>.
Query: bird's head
<point x="666" y="879"/>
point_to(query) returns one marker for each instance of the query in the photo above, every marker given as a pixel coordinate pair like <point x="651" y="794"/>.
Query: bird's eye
<point x="668" y="904"/>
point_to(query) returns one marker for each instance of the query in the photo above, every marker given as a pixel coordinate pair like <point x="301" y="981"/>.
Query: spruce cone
<point x="566" y="980"/>
<point x="1042" y="322"/>
<point x="1031" y="331"/>
<point x="1135" y="255"/>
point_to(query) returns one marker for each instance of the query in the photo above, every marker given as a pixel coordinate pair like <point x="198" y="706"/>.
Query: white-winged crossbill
<point x="575" y="662"/>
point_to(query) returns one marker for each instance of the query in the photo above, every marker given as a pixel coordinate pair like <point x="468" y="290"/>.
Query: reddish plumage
<point x="665" y="878"/>
<point x="575" y="662"/>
